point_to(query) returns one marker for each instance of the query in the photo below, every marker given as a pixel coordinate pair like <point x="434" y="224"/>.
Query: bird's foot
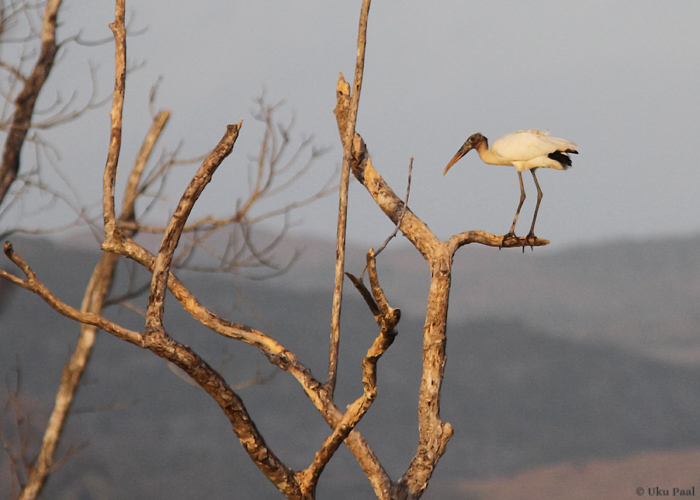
<point x="529" y="240"/>
<point x="506" y="236"/>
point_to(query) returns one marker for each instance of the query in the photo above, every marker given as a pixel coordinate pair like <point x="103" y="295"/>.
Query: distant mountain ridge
<point x="643" y="296"/>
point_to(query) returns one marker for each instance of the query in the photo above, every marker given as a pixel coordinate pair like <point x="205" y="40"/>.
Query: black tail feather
<point x="562" y="157"/>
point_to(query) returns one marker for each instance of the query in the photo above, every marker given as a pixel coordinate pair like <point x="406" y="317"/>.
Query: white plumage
<point x="524" y="150"/>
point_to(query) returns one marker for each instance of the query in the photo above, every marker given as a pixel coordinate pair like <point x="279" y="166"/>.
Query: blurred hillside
<point x="584" y="354"/>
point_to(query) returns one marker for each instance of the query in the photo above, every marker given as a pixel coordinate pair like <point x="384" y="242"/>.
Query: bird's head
<point x="474" y="142"/>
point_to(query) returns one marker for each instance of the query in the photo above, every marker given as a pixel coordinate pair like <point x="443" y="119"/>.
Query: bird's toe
<point x="529" y="240"/>
<point x="506" y="236"/>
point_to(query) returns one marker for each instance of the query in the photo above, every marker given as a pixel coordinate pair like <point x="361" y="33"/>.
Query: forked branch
<point x="433" y="433"/>
<point x="185" y="358"/>
<point x="387" y="318"/>
<point x="94" y="301"/>
<point x="161" y="270"/>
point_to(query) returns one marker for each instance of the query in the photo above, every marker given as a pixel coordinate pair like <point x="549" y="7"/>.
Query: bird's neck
<point x="488" y="156"/>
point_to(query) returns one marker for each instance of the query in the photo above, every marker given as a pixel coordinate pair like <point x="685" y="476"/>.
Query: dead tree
<point x="279" y="167"/>
<point x="30" y="31"/>
<point x="119" y="243"/>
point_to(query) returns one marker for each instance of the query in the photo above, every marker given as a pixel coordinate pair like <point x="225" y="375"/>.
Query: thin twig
<point x="115" y="141"/>
<point x="398" y="223"/>
<point x="132" y="192"/>
<point x="349" y="132"/>
<point x="403" y="212"/>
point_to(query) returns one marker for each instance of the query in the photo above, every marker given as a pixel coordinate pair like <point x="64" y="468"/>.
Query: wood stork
<point x="524" y="150"/>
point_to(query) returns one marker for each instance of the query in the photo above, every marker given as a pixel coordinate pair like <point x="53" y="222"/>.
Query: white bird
<point x="524" y="150"/>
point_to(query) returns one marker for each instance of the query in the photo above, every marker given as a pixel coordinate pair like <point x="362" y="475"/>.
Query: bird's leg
<point x="531" y="234"/>
<point x="511" y="233"/>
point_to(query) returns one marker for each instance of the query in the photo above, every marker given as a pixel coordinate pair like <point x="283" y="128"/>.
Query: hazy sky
<point x="620" y="79"/>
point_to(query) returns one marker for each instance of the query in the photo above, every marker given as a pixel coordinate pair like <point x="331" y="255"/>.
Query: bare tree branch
<point x="459" y="240"/>
<point x="93" y="302"/>
<point x="275" y="353"/>
<point x="31" y="283"/>
<point x="186" y="359"/>
<point x="156" y="299"/>
<point x="278" y="167"/>
<point x="115" y="140"/>
<point x="433" y="433"/>
<point x="387" y="318"/>
<point x="348" y="111"/>
<point x="405" y="204"/>
<point x="160" y="343"/>
<point x="26" y="99"/>
<point x="70" y="376"/>
<point x="131" y="192"/>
